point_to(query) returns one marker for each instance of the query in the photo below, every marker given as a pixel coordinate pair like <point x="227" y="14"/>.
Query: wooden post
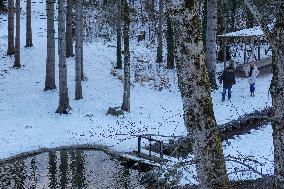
<point x="161" y="149"/>
<point x="245" y="51"/>
<point x="252" y="50"/>
<point x="258" y="48"/>
<point x="139" y="145"/>
<point x="150" y="148"/>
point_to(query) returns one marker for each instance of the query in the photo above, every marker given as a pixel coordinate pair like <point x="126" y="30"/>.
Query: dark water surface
<point x="68" y="169"/>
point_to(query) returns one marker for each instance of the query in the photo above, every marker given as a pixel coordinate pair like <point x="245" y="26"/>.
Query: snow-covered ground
<point x="28" y="121"/>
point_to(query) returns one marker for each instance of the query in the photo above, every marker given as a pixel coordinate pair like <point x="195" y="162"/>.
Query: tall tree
<point x="11" y="45"/>
<point x="69" y="34"/>
<point x="63" y="107"/>
<point x="211" y="45"/>
<point x="17" y="62"/>
<point x="50" y="59"/>
<point x="82" y="58"/>
<point x="170" y="44"/>
<point x="126" y="91"/>
<point x="152" y="27"/>
<point x="233" y="14"/>
<point x="78" y="50"/>
<point x="118" y="30"/>
<point x="276" y="40"/>
<point x="29" y="38"/>
<point x="204" y="20"/>
<point x="160" y="33"/>
<point x="222" y="17"/>
<point x="195" y="91"/>
<point x="275" y="36"/>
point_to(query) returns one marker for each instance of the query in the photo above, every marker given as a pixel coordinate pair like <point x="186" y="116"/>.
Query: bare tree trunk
<point x="78" y="50"/>
<point x="63" y="90"/>
<point x="197" y="102"/>
<point x="277" y="94"/>
<point x="222" y="17"/>
<point x="17" y="63"/>
<point x="69" y="34"/>
<point x="152" y="29"/>
<point x="276" y="39"/>
<point x="118" y="48"/>
<point x="170" y="44"/>
<point x="204" y="20"/>
<point x="50" y="59"/>
<point x="160" y="33"/>
<point x="82" y="47"/>
<point x="11" y="45"/>
<point x="249" y="18"/>
<point x="233" y="14"/>
<point x="82" y="59"/>
<point x="29" y="38"/>
<point x="211" y="46"/>
<point x="126" y="92"/>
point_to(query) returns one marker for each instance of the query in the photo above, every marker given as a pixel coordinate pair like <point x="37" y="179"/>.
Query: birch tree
<point x="63" y="107"/>
<point x="29" y="38"/>
<point x="275" y="36"/>
<point x="11" y="45"/>
<point x="160" y="33"/>
<point x="126" y="91"/>
<point x="78" y="50"/>
<point x="210" y="55"/>
<point x="195" y="91"/>
<point x="69" y="34"/>
<point x="50" y="59"/>
<point x="17" y="62"/>
<point x="118" y="30"/>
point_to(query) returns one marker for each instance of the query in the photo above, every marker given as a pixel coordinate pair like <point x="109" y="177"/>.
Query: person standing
<point x="228" y="79"/>
<point x="252" y="74"/>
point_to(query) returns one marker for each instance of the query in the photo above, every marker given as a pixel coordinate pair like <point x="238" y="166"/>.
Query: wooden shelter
<point x="251" y="40"/>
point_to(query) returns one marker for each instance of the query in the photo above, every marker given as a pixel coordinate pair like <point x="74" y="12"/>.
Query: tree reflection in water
<point x="68" y="169"/>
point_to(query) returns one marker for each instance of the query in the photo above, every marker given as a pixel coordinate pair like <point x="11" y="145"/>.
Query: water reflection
<point x="68" y="169"/>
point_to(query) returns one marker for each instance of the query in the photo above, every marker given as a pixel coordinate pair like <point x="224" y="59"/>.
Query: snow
<point x="254" y="149"/>
<point x="258" y="145"/>
<point x="28" y="121"/>
<point x="255" y="31"/>
<point x="242" y="102"/>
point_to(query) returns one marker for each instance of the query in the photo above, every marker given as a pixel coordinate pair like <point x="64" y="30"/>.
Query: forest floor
<point x="28" y="121"/>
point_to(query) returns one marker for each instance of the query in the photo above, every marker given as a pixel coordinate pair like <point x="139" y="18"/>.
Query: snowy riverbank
<point x="28" y="121"/>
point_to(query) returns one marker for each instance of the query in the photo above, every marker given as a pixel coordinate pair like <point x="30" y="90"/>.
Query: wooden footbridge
<point x="153" y="155"/>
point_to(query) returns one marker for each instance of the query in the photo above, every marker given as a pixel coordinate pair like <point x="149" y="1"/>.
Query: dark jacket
<point x="228" y="78"/>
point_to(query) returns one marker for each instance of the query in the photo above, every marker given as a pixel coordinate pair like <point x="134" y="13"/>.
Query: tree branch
<point x="261" y="21"/>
